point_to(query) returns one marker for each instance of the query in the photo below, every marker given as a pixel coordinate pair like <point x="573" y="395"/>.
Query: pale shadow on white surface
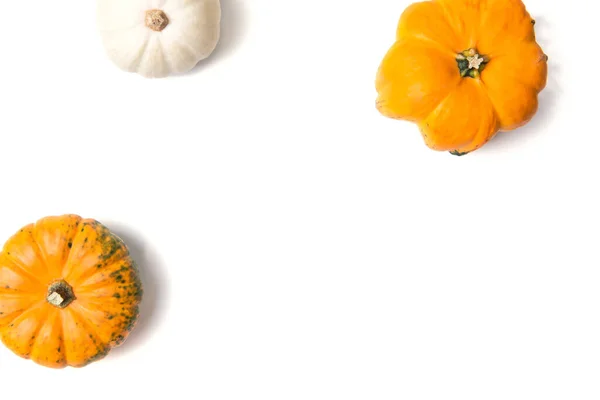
<point x="233" y="29"/>
<point x="547" y="100"/>
<point x="155" y="285"/>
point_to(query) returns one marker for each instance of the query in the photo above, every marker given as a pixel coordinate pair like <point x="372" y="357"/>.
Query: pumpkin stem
<point x="60" y="294"/>
<point x="471" y="63"/>
<point x="156" y="20"/>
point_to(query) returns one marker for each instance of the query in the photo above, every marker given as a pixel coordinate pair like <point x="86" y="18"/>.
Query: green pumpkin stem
<point x="471" y="63"/>
<point x="458" y="153"/>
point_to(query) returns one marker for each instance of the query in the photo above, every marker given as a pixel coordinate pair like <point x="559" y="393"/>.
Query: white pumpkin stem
<point x="156" y="20"/>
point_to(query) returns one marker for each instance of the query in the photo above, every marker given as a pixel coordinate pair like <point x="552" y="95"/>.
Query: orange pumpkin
<point x="462" y="70"/>
<point x="69" y="291"/>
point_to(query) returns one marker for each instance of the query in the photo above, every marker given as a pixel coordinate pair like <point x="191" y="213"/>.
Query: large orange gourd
<point x="69" y="291"/>
<point x="463" y="70"/>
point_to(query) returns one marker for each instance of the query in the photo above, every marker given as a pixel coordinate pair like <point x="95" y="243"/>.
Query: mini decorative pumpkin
<point x="69" y="292"/>
<point x="463" y="70"/>
<point x="158" y="38"/>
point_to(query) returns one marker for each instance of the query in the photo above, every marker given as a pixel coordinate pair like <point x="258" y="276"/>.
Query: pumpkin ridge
<point x="187" y="48"/>
<point x="494" y="102"/>
<point x="450" y="92"/>
<point x="82" y="279"/>
<point x="516" y="77"/>
<point x="80" y="228"/>
<point x="11" y="317"/>
<point x="496" y="116"/>
<point x="116" y="244"/>
<point x="174" y="11"/>
<point x="14" y="281"/>
<point x="20" y="295"/>
<point x="77" y="312"/>
<point x="44" y="254"/>
<point x="168" y="62"/>
<point x="41" y="323"/>
<point x="80" y="231"/>
<point x="123" y="320"/>
<point x="64" y="333"/>
<point x="115" y="275"/>
<point x="84" y="308"/>
<point x="431" y="43"/>
<point x="137" y="61"/>
<point x="113" y="35"/>
<point x="450" y="20"/>
<point x="506" y="53"/>
<point x="38" y="251"/>
<point x="144" y="53"/>
<point x="124" y="28"/>
<point x="98" y="300"/>
<point x="392" y="80"/>
<point x="34" y="308"/>
<point x="58" y="326"/>
<point x="458" y="145"/>
<point x="84" y="289"/>
<point x="19" y="269"/>
<point x="488" y="13"/>
<point x="103" y="347"/>
<point x="78" y="361"/>
<point x="461" y="151"/>
<point x="485" y="140"/>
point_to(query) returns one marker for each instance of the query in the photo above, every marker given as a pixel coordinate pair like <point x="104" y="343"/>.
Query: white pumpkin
<point x="157" y="38"/>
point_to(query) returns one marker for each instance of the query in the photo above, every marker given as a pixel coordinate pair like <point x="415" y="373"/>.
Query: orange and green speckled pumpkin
<point x="463" y="70"/>
<point x="69" y="291"/>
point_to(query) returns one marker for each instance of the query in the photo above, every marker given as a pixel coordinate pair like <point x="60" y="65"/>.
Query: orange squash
<point x="462" y="70"/>
<point x="69" y="291"/>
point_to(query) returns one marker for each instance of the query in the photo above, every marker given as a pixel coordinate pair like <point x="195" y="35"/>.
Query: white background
<point x="295" y="244"/>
